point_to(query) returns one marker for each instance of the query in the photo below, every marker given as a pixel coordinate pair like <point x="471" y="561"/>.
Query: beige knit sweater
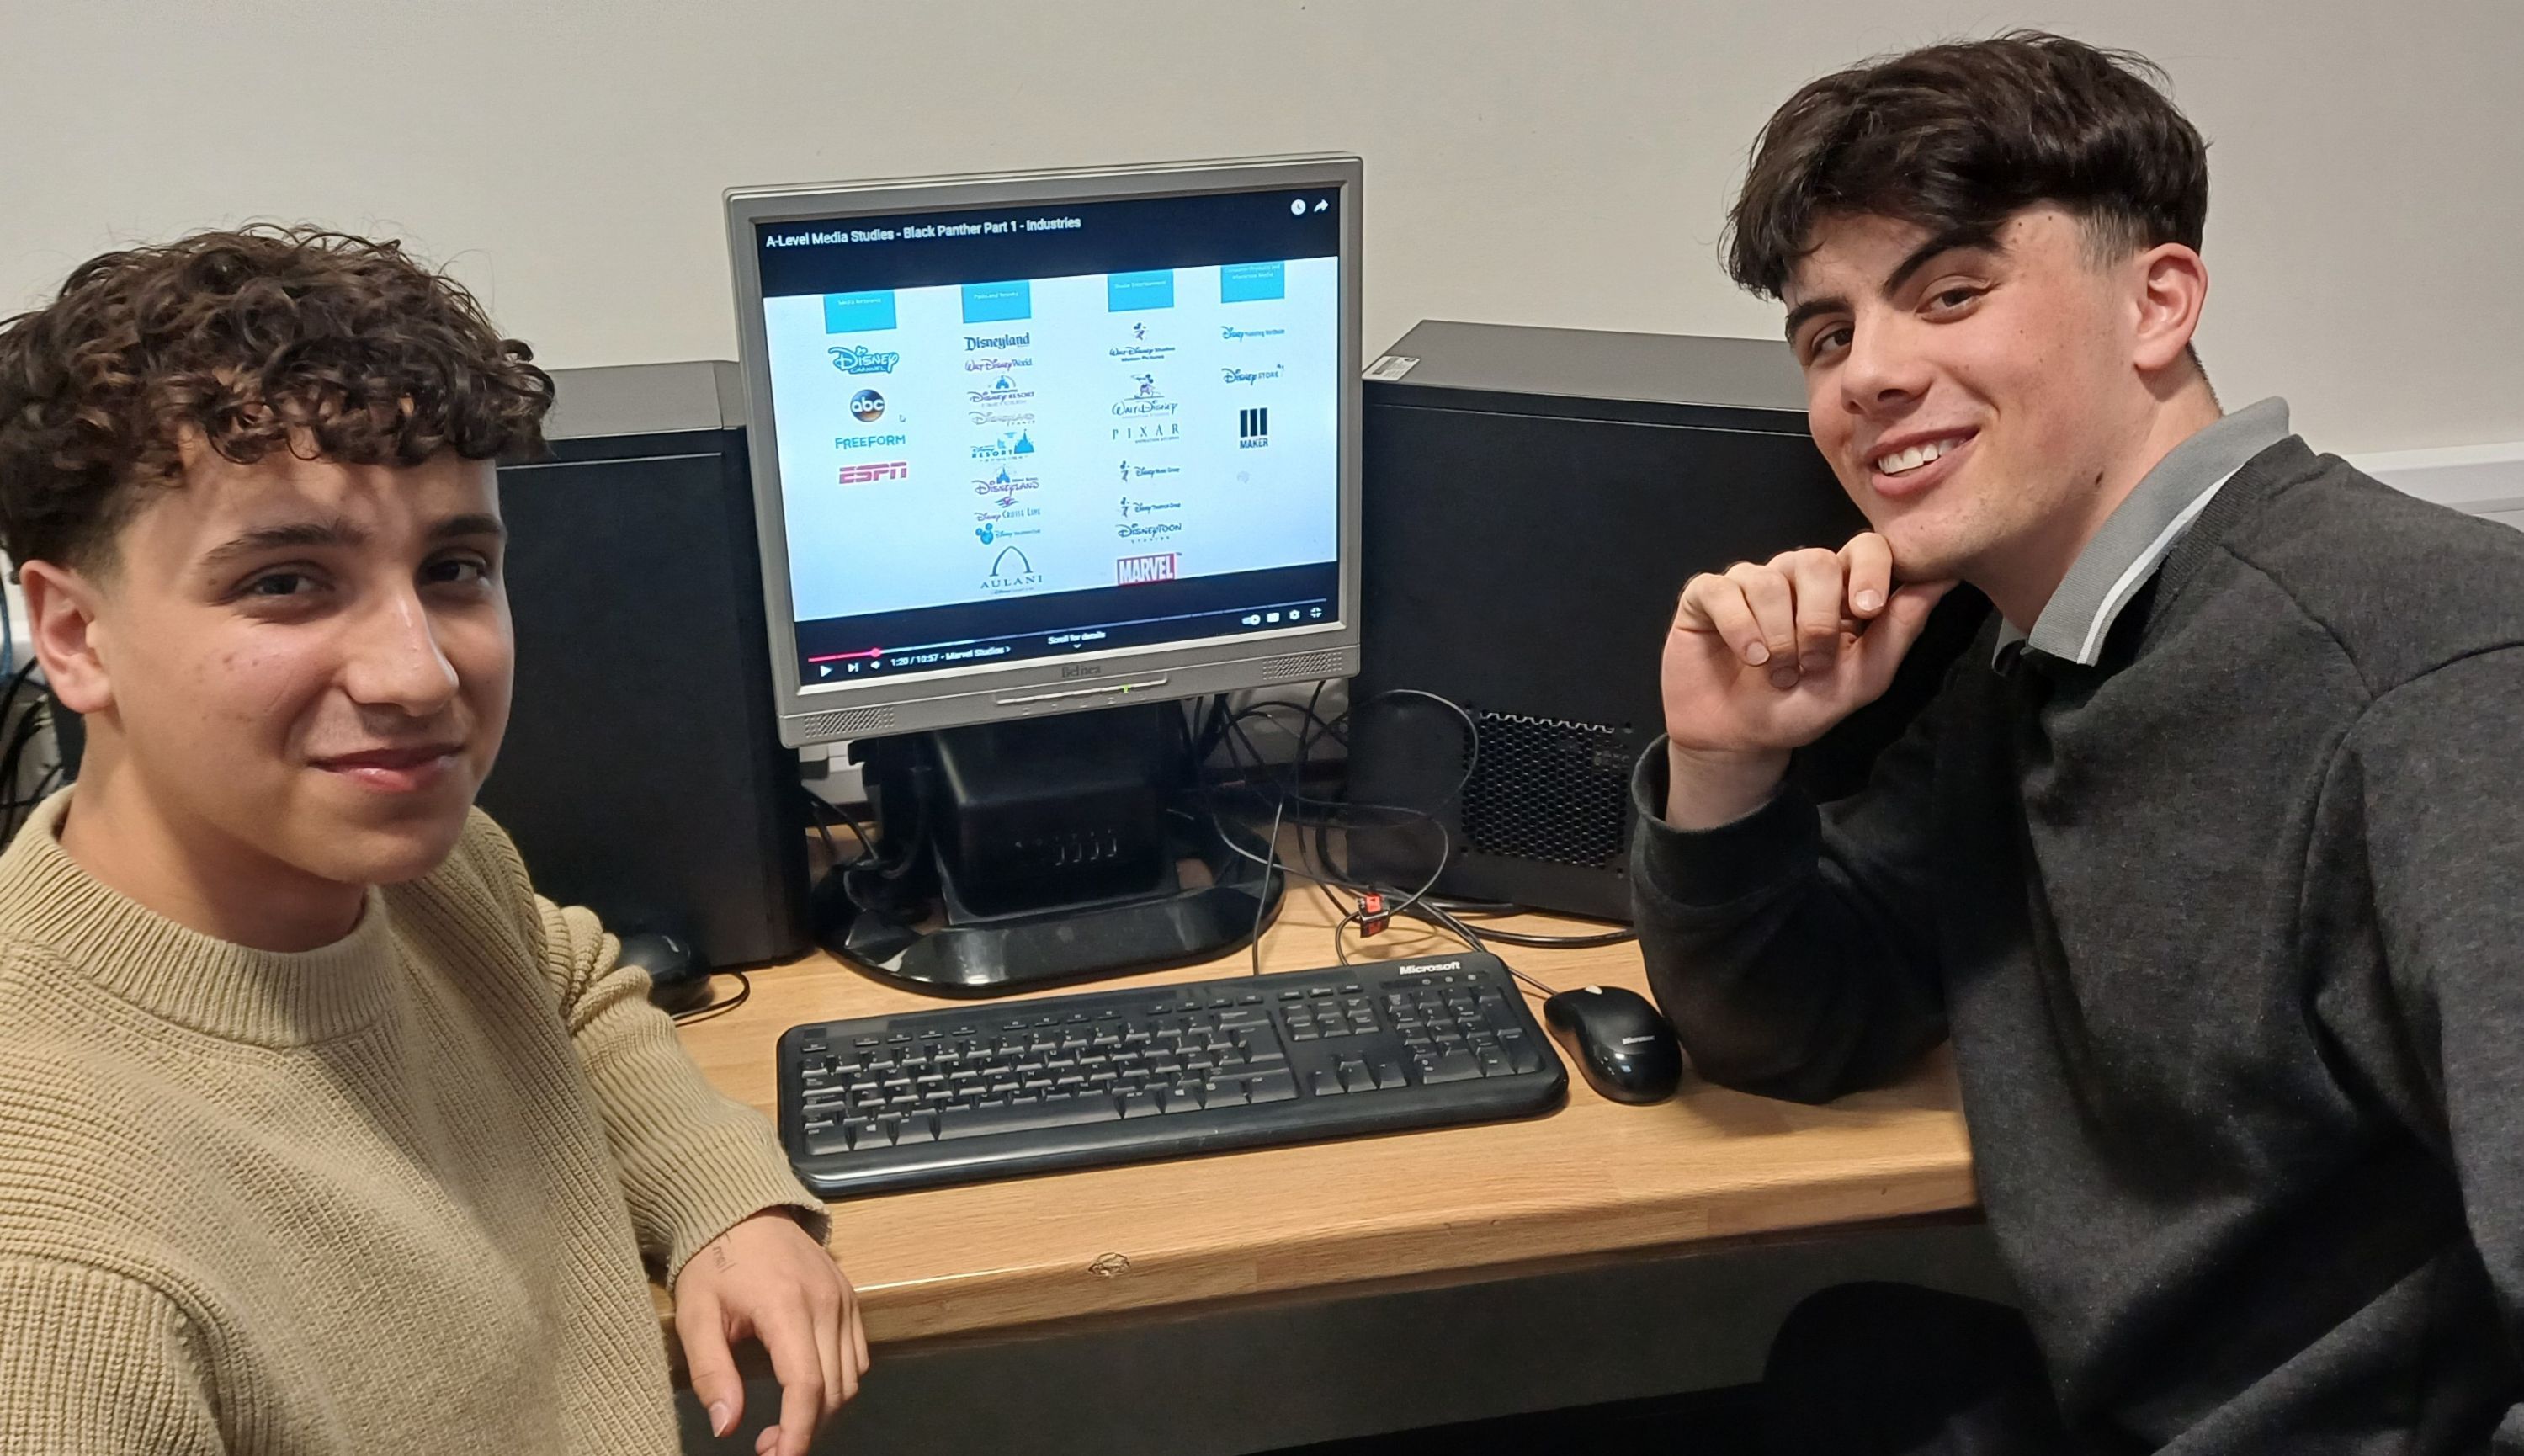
<point x="392" y="1196"/>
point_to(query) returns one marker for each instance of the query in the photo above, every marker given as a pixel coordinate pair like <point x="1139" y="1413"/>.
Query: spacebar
<point x="1024" y="1117"/>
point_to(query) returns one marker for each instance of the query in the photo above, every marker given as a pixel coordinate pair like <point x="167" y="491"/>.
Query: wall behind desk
<point x="1566" y="163"/>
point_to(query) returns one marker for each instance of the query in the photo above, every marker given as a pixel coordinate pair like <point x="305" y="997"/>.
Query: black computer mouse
<point x="678" y="980"/>
<point x="1622" y="1047"/>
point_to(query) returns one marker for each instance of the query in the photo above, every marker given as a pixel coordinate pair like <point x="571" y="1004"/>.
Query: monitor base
<point x="1036" y="852"/>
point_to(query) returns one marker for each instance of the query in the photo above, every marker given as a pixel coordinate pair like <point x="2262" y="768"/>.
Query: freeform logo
<point x="857" y="358"/>
<point x="974" y="344"/>
<point x="1253" y="428"/>
<point x="1132" y="571"/>
<point x="865" y="474"/>
<point x="867" y="442"/>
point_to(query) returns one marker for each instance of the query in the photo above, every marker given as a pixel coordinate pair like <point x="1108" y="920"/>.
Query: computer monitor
<point x="1034" y="443"/>
<point x="1026" y="445"/>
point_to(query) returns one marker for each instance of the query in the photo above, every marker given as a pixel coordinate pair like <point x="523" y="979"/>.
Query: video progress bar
<point x="1239" y="612"/>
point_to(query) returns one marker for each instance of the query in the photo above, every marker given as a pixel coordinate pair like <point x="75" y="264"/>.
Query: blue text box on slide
<point x="1252" y="282"/>
<point x="859" y="312"/>
<point x="1124" y="292"/>
<point x="998" y="303"/>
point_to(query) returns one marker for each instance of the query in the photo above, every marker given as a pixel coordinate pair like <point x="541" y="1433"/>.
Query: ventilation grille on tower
<point x="1547" y="789"/>
<point x="1304" y="666"/>
<point x="847" y="723"/>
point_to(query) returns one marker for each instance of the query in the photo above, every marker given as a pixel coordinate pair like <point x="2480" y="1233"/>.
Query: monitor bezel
<point x="822" y="713"/>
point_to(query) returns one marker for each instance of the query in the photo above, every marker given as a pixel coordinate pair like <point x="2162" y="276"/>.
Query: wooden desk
<point x="1454" y="1205"/>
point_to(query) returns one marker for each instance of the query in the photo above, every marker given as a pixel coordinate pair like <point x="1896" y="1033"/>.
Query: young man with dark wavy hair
<point x="320" y="1132"/>
<point x="2206" y="858"/>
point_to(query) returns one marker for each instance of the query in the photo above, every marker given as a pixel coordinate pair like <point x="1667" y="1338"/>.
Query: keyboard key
<point x="1060" y="1112"/>
<point x="1449" y="1066"/>
<point x="1273" y="1087"/>
<point x="1139" y="1104"/>
<point x="1328" y="1084"/>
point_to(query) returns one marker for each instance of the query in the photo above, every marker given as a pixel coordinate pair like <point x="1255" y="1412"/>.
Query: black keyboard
<point x="969" y="1093"/>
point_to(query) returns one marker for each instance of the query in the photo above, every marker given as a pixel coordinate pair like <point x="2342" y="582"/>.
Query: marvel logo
<point x="1131" y="571"/>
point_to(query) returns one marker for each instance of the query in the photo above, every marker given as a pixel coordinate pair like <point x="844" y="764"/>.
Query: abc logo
<point x="868" y="405"/>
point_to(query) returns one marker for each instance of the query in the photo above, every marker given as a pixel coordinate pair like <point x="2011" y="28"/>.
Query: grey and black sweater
<point x="2227" y="930"/>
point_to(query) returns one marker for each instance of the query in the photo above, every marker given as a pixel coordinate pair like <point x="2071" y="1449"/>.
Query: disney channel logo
<point x="857" y="358"/>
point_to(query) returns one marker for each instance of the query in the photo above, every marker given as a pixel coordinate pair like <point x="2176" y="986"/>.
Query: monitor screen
<point x="1014" y="432"/>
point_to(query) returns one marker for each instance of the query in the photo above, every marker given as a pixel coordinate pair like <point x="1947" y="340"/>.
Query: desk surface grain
<point x="1594" y="1178"/>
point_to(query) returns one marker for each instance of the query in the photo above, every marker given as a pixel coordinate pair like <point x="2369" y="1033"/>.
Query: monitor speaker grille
<point x="1304" y="666"/>
<point x="847" y="723"/>
<point x="1549" y="789"/>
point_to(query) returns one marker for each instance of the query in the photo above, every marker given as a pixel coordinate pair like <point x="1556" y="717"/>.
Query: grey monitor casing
<point x="827" y="713"/>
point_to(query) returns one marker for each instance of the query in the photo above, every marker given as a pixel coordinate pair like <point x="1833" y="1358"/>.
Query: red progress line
<point x="874" y="651"/>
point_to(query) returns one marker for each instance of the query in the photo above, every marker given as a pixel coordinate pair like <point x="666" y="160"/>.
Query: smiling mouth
<point x="1918" y="457"/>
<point x="391" y="758"/>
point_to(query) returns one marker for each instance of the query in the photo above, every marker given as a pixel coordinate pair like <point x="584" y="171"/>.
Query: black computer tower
<point x="1534" y="501"/>
<point x="643" y="774"/>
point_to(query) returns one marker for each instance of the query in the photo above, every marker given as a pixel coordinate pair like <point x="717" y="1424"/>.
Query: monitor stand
<point x="1020" y="854"/>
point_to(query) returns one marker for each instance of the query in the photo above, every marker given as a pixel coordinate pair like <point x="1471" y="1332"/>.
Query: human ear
<point x="61" y="606"/>
<point x="2169" y="289"/>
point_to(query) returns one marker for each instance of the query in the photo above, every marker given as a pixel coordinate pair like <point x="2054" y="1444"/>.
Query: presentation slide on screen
<point x="975" y="441"/>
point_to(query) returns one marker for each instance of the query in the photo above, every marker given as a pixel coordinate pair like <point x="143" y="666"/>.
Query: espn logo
<point x="862" y="474"/>
<point x="1132" y="571"/>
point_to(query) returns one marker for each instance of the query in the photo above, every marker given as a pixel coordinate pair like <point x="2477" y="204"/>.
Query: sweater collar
<point x="2140" y="531"/>
<point x="222" y="990"/>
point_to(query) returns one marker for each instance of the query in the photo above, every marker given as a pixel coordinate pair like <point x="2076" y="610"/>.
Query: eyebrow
<point x="337" y="532"/>
<point x="1919" y="257"/>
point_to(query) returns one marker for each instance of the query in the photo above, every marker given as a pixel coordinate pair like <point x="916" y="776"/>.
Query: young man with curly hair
<point x="320" y="1132"/>
<point x="2206" y="859"/>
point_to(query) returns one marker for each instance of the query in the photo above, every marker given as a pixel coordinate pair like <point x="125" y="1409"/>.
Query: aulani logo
<point x="997" y="341"/>
<point x="1001" y="579"/>
<point x="856" y="359"/>
<point x="1007" y="447"/>
<point x="1001" y="392"/>
<point x="868" y="405"/>
<point x="1234" y="334"/>
<point x="1251" y="377"/>
<point x="1147" y="399"/>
